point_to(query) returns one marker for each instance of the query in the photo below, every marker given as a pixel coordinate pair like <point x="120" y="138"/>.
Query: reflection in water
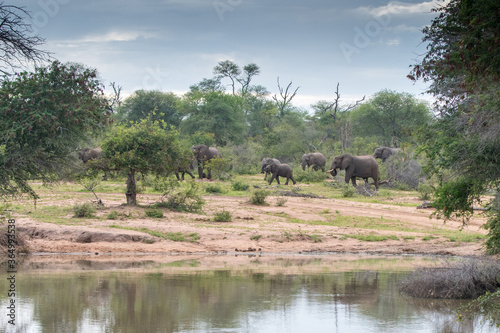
<point x="155" y="300"/>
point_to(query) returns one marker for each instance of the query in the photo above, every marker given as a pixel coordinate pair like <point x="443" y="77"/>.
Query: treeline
<point x="244" y="119"/>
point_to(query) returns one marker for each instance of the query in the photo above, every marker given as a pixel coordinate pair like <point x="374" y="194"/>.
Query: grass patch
<point x="154" y="213"/>
<point x="256" y="237"/>
<point x="259" y="197"/>
<point x="372" y="238"/>
<point x="173" y="236"/>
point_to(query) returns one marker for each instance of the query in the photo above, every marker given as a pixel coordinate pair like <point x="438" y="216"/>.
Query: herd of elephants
<point x="364" y="166"/>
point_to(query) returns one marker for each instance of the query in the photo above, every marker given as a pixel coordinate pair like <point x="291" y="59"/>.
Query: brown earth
<point x="271" y="229"/>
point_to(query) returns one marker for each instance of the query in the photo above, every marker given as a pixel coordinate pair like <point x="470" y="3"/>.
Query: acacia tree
<point x="390" y="116"/>
<point x="463" y="66"/>
<point x="145" y="147"/>
<point x="44" y="117"/>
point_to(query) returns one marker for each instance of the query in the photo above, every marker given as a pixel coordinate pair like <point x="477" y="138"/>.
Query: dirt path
<point x="302" y="225"/>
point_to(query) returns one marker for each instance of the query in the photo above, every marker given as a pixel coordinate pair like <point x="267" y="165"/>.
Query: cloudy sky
<point x="168" y="45"/>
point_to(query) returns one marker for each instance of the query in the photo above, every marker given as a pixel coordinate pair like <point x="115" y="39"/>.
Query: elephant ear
<point x="386" y="153"/>
<point x="346" y="162"/>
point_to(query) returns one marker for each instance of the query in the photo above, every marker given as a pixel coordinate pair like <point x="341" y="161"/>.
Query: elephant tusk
<point x="330" y="170"/>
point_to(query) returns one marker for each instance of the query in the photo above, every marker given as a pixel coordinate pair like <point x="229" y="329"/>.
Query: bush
<point x="239" y="186"/>
<point x="84" y="210"/>
<point x="464" y="279"/>
<point x="348" y="191"/>
<point x="308" y="176"/>
<point x="219" y="168"/>
<point x="403" y="169"/>
<point x="259" y="197"/>
<point x="213" y="188"/>
<point x="113" y="215"/>
<point x="425" y="191"/>
<point x="154" y="213"/>
<point x="223" y="216"/>
<point x="185" y="200"/>
<point x="281" y="202"/>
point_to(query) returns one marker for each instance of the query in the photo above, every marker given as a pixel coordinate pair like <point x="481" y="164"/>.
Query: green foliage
<point x="493" y="226"/>
<point x="219" y="168"/>
<point x="45" y="116"/>
<point x="425" y="191"/>
<point x="239" y="186"/>
<point x="390" y="116"/>
<point x="113" y="215"/>
<point x="243" y="159"/>
<point x="255" y="237"/>
<point x="84" y="210"/>
<point x="487" y="305"/>
<point x="213" y="188"/>
<point x="259" y="197"/>
<point x="187" y="199"/>
<point x="222" y="216"/>
<point x="308" y="176"/>
<point x="456" y="198"/>
<point x="154" y="213"/>
<point x="145" y="147"/>
<point x="348" y="191"/>
<point x="155" y="104"/>
<point x="281" y="202"/>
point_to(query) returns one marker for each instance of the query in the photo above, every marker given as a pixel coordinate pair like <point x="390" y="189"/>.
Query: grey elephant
<point x="315" y="160"/>
<point x="356" y="166"/>
<point x="182" y="167"/>
<point x="385" y="152"/>
<point x="203" y="154"/>
<point x="91" y="154"/>
<point x="279" y="170"/>
<point x="264" y="164"/>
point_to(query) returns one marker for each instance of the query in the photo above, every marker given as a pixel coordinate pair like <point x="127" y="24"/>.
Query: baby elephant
<point x="283" y="170"/>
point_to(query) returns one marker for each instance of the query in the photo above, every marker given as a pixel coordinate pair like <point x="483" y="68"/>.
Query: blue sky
<point x="168" y="45"/>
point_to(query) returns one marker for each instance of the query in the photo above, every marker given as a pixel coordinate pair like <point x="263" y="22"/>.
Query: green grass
<point x="173" y="236"/>
<point x="372" y="238"/>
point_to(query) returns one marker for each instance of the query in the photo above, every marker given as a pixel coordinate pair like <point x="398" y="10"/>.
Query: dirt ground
<point x="270" y="229"/>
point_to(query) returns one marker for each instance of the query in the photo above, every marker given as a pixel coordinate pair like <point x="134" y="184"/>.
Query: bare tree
<point x="17" y="45"/>
<point x="286" y="96"/>
<point x="333" y="108"/>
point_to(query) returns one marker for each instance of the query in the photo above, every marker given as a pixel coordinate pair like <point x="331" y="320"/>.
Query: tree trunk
<point x="131" y="192"/>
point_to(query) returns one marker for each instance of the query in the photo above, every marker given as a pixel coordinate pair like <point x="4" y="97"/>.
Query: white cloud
<point x="401" y="8"/>
<point x="115" y="36"/>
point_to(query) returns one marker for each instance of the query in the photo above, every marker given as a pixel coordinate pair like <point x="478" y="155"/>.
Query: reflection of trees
<point x="135" y="302"/>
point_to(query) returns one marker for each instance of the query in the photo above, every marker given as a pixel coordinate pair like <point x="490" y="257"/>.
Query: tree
<point x="463" y="65"/>
<point x="390" y="116"/>
<point x="228" y="69"/>
<point x="44" y="117"/>
<point x="159" y="105"/>
<point x="146" y="147"/>
<point x="17" y="46"/>
<point x="284" y="101"/>
<point x="216" y="113"/>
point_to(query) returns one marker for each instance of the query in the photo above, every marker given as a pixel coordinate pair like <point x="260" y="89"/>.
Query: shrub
<point x="84" y="210"/>
<point x="259" y="197"/>
<point x="308" y="176"/>
<point x="281" y="202"/>
<point x="185" y="200"/>
<point x="348" y="191"/>
<point x="464" y="279"/>
<point x="425" y="191"/>
<point x="222" y="216"/>
<point x="404" y="170"/>
<point x="239" y="186"/>
<point x="154" y="213"/>
<point x="113" y="215"/>
<point x="213" y="188"/>
<point x="219" y="168"/>
<point x="20" y="241"/>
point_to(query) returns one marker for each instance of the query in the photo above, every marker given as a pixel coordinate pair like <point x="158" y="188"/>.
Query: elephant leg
<point x="200" y="171"/>
<point x="271" y="180"/>
<point x="177" y="175"/>
<point x="278" y="179"/>
<point x="293" y="180"/>
<point x="209" y="175"/>
<point x="353" y="180"/>
<point x="190" y="173"/>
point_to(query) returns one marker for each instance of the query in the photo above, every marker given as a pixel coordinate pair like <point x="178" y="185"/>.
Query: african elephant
<point x="384" y="152"/>
<point x="90" y="154"/>
<point x="264" y="163"/>
<point x="316" y="160"/>
<point x="203" y="154"/>
<point x="279" y="170"/>
<point x="356" y="166"/>
<point x="183" y="167"/>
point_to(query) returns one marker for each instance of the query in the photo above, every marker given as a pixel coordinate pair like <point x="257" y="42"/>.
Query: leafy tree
<point x="44" y="117"/>
<point x="390" y="116"/>
<point x="146" y="147"/>
<point x="463" y="65"/>
<point x="142" y="103"/>
<point x="216" y="113"/>
<point x="17" y="44"/>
